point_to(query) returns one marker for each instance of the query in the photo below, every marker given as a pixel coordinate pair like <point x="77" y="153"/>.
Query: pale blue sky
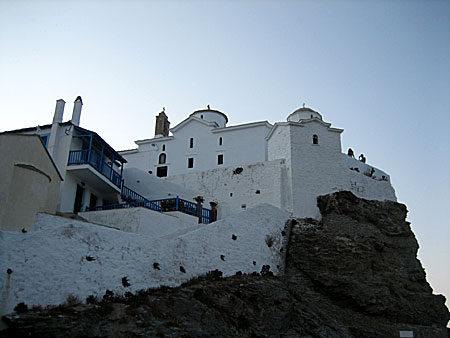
<point x="378" y="69"/>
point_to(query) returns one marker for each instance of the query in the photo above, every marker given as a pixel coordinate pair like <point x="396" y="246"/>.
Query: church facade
<point x="200" y="142"/>
<point x="287" y="164"/>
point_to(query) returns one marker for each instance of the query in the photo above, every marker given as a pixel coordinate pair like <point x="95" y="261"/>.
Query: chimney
<point x="59" y="111"/>
<point x="162" y="124"/>
<point x="77" y="111"/>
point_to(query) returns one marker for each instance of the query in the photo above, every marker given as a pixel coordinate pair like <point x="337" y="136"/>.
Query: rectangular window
<point x="190" y="162"/>
<point x="191" y="142"/>
<point x="219" y="159"/>
<point x="220" y="141"/>
<point x="161" y="171"/>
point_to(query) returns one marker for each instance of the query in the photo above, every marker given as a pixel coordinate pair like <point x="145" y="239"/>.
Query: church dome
<point x="211" y="115"/>
<point x="304" y="113"/>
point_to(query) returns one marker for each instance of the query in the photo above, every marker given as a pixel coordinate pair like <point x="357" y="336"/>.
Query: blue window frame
<point x="45" y="138"/>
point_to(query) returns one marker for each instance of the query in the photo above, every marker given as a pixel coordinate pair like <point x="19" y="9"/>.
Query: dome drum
<point x="303" y="114"/>
<point x="211" y="115"/>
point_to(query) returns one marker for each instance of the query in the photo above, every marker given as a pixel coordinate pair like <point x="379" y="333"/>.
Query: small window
<point x="190" y="162"/>
<point x="315" y="139"/>
<point x="220" y="141"/>
<point x="164" y="147"/>
<point x="162" y="158"/>
<point x="191" y="142"/>
<point x="219" y="159"/>
<point x="161" y="171"/>
<point x="45" y="138"/>
<point x="201" y="116"/>
<point x="311" y="115"/>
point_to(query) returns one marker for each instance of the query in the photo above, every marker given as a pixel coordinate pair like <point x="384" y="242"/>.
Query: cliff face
<point x="361" y="260"/>
<point x="354" y="274"/>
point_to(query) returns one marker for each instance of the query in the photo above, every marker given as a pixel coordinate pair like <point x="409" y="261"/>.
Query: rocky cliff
<point x="354" y="274"/>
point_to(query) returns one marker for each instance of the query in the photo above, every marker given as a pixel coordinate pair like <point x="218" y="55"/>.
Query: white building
<point x="91" y="169"/>
<point x="287" y="164"/>
<point x="200" y="142"/>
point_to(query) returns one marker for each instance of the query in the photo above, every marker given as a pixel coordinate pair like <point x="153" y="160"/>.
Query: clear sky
<point x="378" y="69"/>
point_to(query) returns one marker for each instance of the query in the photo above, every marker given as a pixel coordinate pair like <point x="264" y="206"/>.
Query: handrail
<point x="130" y="195"/>
<point x="82" y="157"/>
<point x="161" y="205"/>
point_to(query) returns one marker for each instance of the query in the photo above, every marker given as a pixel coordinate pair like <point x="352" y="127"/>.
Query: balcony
<point x="82" y="157"/>
<point x="95" y="162"/>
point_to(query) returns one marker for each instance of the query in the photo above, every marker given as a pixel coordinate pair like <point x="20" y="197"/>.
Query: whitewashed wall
<point x="241" y="145"/>
<point x="155" y="188"/>
<point x="294" y="183"/>
<point x="278" y="146"/>
<point x="211" y="116"/>
<point x="361" y="185"/>
<point x="322" y="169"/>
<point x="262" y="182"/>
<point x="50" y="263"/>
<point x="138" y="158"/>
<point x="308" y="170"/>
<point x="279" y="142"/>
<point x="67" y="196"/>
<point x="142" y="221"/>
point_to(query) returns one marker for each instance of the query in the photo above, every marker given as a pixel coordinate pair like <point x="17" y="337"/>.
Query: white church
<point x="232" y="168"/>
<point x="287" y="164"/>
<point x="141" y="209"/>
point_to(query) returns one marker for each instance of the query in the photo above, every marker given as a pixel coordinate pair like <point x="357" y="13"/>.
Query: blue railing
<point x="131" y="196"/>
<point x="163" y="205"/>
<point x="95" y="160"/>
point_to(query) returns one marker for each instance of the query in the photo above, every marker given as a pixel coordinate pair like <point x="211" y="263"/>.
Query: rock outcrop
<point x="361" y="260"/>
<point x="352" y="275"/>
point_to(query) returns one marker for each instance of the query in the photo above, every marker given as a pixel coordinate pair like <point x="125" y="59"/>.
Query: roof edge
<point x="210" y="111"/>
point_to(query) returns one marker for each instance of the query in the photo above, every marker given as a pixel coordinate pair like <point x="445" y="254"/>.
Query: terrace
<point x="135" y="200"/>
<point x="95" y="161"/>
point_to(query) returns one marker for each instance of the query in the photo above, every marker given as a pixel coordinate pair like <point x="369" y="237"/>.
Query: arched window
<point x="315" y="139"/>
<point x="164" y="147"/>
<point x="162" y="158"/>
<point x="191" y="142"/>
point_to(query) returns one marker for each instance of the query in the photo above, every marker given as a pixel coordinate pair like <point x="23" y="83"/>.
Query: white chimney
<point x="59" y="110"/>
<point x="77" y="111"/>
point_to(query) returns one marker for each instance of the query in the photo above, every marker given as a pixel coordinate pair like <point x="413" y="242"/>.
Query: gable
<point x="192" y="124"/>
<point x="320" y="122"/>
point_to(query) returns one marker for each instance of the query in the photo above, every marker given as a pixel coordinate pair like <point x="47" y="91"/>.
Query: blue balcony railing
<point x="93" y="159"/>
<point x="135" y="200"/>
